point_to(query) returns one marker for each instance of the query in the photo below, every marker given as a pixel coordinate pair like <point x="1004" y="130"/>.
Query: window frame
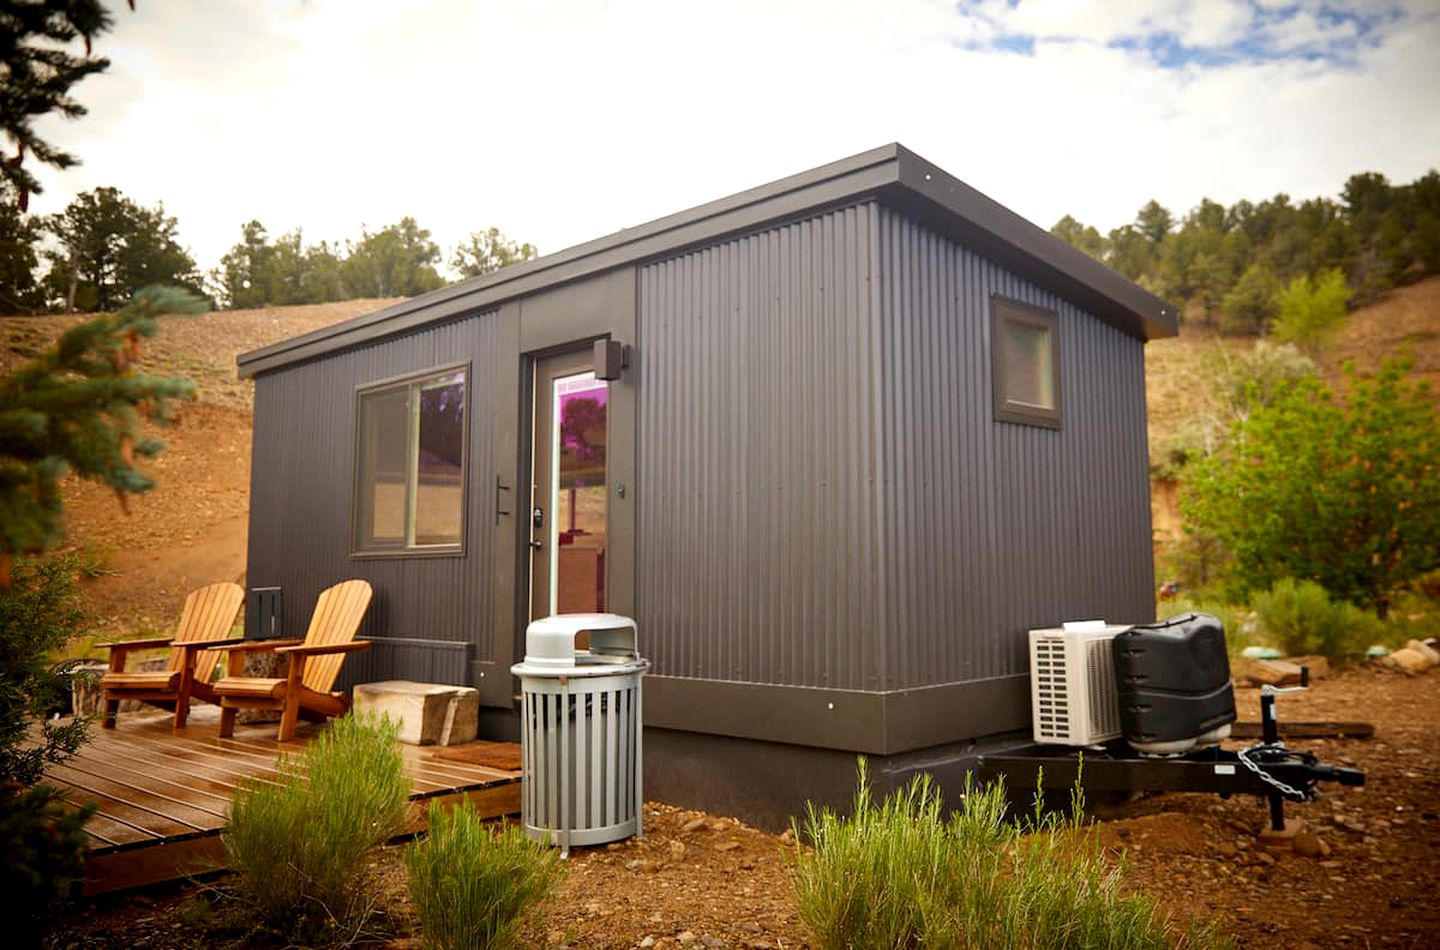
<point x="1005" y="310"/>
<point x="413" y="383"/>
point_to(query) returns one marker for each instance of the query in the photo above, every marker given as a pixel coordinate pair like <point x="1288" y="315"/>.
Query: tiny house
<point x="844" y="439"/>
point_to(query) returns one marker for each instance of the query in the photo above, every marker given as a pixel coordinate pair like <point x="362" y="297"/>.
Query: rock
<point x="1425" y="650"/>
<point x="1266" y="858"/>
<point x="677" y="850"/>
<point x="85" y="691"/>
<point x="1408" y="660"/>
<point x="1274" y="673"/>
<point x="750" y="927"/>
<point x="730" y="845"/>
<point x="1228" y="850"/>
<point x="787" y="837"/>
<point x="685" y="938"/>
<point x="696" y="824"/>
<point x="633" y="865"/>
<point x="648" y="942"/>
<point x="712" y="942"/>
<point x="1307" y="844"/>
<point x="761" y="945"/>
<point x="1317" y="665"/>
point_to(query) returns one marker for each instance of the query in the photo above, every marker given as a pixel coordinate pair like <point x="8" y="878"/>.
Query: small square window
<point x="1025" y="347"/>
<point x="410" y="465"/>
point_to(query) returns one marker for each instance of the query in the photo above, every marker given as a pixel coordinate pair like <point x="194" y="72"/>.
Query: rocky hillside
<point x="191" y="530"/>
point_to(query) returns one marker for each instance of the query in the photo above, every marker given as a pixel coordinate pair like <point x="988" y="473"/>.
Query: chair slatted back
<point x="209" y="614"/>
<point x="337" y="616"/>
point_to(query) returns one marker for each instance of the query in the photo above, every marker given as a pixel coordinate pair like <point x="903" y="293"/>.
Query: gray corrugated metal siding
<point x="757" y="523"/>
<point x="303" y="472"/>
<point x="992" y="528"/>
<point x="826" y="497"/>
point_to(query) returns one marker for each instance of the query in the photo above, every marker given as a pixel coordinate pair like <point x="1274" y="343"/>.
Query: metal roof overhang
<point x="891" y="174"/>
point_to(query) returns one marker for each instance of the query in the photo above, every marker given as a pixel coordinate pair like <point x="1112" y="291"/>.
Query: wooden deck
<point x="162" y="795"/>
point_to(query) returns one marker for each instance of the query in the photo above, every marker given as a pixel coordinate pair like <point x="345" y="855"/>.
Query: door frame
<point x="533" y="327"/>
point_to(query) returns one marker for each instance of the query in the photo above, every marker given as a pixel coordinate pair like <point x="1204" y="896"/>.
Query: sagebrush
<point x="473" y="886"/>
<point x="899" y="873"/>
<point x="298" y="841"/>
<point x="1299" y="618"/>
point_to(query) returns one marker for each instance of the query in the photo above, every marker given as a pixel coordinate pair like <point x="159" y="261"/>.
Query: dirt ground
<point x="710" y="881"/>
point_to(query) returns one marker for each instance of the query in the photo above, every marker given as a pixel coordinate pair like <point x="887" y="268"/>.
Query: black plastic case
<point x="1173" y="681"/>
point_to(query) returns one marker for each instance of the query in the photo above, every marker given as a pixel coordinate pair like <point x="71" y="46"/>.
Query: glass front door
<point x="568" y="498"/>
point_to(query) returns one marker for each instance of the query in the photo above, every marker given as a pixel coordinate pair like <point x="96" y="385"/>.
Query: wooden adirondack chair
<point x="208" y="615"/>
<point x="314" y="664"/>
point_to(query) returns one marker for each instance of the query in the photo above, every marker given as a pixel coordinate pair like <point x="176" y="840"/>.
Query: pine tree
<point x="36" y="73"/>
<point x="487" y="251"/>
<point x="78" y="407"/>
<point x="19" y="292"/>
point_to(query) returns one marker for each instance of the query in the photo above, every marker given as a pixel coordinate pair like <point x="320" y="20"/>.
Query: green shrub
<point x="297" y="841"/>
<point x="899" y="874"/>
<point x="44" y="848"/>
<point x="1311" y="311"/>
<point x="1300" y="618"/>
<point x="471" y="887"/>
<point x="1341" y="492"/>
<point x="38" y="614"/>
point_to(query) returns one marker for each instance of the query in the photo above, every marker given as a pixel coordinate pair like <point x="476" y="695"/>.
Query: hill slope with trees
<point x="1233" y="267"/>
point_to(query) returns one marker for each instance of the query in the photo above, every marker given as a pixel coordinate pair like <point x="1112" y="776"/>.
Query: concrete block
<point x="428" y="713"/>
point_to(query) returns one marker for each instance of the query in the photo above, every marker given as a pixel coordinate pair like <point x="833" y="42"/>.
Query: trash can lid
<point x="550" y="641"/>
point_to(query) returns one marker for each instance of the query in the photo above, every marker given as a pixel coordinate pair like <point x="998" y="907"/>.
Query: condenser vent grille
<point x="1073" y="697"/>
<point x="1052" y="700"/>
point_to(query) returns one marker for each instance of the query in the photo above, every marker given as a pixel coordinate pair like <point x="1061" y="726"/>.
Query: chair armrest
<point x="149" y="643"/>
<point x="194" y="646"/>
<point x="248" y="646"/>
<point x="306" y="649"/>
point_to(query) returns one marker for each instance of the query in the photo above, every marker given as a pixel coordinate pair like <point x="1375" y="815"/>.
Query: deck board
<point x="162" y="795"/>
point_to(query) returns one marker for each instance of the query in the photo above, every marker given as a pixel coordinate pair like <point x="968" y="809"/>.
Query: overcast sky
<point x="559" y="121"/>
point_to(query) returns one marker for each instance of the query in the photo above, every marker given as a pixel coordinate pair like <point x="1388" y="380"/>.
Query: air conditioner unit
<point x="1073" y="698"/>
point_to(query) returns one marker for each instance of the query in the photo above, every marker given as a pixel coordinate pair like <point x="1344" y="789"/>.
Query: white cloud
<point x="562" y="121"/>
<point x="1303" y="30"/>
<point x="1195" y="23"/>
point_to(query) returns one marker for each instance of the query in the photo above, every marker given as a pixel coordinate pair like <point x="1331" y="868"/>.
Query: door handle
<point x="537" y="545"/>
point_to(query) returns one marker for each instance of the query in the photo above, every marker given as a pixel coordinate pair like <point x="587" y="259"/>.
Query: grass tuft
<point x="473" y="887"/>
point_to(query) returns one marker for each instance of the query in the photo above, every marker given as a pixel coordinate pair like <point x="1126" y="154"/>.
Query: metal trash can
<point x="580" y="730"/>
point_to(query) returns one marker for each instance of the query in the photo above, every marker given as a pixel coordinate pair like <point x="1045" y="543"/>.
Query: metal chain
<point x="1244" y="756"/>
